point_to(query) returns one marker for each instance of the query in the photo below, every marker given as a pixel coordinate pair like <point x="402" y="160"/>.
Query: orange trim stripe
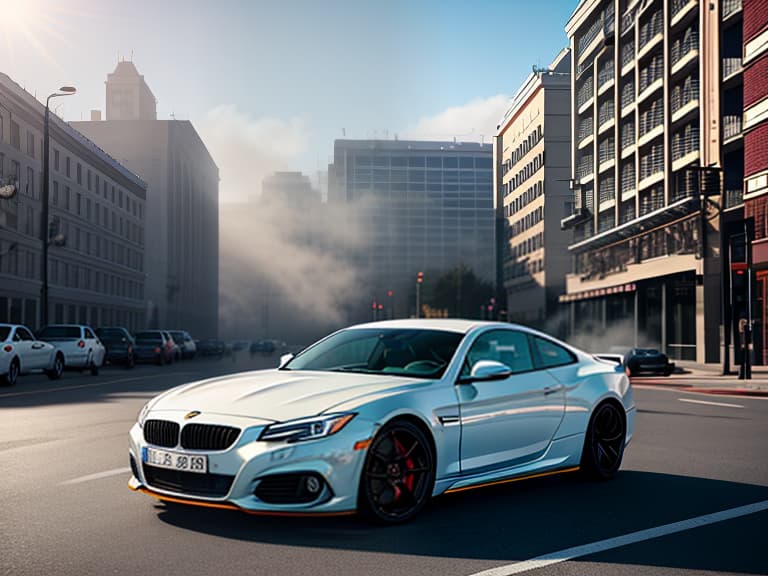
<point x="509" y="480"/>
<point x="227" y="506"/>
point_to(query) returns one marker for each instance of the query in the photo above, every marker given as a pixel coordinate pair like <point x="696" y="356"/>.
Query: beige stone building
<point x="532" y="169"/>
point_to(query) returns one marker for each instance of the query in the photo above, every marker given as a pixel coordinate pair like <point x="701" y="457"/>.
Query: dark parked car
<point x="185" y="343"/>
<point x="647" y="361"/>
<point x="211" y="347"/>
<point x="119" y="344"/>
<point x="154" y="346"/>
<point x="262" y="347"/>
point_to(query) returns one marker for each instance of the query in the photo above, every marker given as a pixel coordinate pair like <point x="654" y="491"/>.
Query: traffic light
<point x="420" y="277"/>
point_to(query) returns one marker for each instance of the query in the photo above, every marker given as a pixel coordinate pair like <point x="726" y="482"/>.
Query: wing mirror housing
<point x="487" y="370"/>
<point x="284" y="359"/>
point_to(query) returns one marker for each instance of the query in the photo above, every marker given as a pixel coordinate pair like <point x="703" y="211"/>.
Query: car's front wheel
<point x="398" y="474"/>
<point x="604" y="442"/>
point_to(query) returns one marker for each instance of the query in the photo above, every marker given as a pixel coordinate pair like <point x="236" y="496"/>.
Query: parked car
<point x="119" y="344"/>
<point x="185" y="342"/>
<point x="239" y="345"/>
<point x="211" y="347"/>
<point x="381" y="417"/>
<point x="174" y="347"/>
<point x="153" y="346"/>
<point x="21" y="353"/>
<point x="647" y="361"/>
<point x="262" y="347"/>
<point x="81" y="347"/>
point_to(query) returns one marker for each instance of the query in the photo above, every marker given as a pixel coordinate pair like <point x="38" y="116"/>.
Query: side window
<point x="551" y="355"/>
<point x="17" y="336"/>
<point x="88" y="334"/>
<point x="509" y="347"/>
<point x="24" y="334"/>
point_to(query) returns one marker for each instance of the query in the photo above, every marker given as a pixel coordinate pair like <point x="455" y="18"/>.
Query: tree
<point x="459" y="291"/>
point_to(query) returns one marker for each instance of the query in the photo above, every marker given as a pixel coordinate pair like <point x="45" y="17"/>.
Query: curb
<point x="682" y="387"/>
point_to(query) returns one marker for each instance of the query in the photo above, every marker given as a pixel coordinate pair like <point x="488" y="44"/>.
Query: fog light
<point x="312" y="484"/>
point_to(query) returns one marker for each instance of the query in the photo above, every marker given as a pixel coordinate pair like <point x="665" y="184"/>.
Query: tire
<point x="398" y="474"/>
<point x="130" y="363"/>
<point x="161" y="360"/>
<point x="12" y="376"/>
<point x="94" y="369"/>
<point x="604" y="442"/>
<point x="58" y="368"/>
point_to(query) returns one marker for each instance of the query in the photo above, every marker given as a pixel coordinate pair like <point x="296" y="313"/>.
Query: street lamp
<point x="63" y="91"/>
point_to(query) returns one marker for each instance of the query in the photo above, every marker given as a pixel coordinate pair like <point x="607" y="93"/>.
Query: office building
<point x="532" y="163"/>
<point x="424" y="206"/>
<point x="182" y="212"/>
<point x="96" y="228"/>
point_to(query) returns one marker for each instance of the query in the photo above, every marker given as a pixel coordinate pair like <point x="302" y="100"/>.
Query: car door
<point x="36" y="355"/>
<point x="508" y="421"/>
<point x="23" y="346"/>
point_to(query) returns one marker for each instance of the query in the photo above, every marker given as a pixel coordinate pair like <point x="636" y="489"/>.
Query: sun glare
<point x="29" y="24"/>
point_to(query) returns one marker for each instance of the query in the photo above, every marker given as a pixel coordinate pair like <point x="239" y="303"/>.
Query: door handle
<point x="37" y="346"/>
<point x="551" y="390"/>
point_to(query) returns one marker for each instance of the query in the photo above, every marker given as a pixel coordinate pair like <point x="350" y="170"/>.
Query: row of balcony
<point x="585" y="166"/>
<point x="651" y="201"/>
<point x="730" y="7"/>
<point x="628" y="137"/>
<point x="684" y="45"/>
<point x="652" y="163"/>
<point x="627" y="53"/>
<point x="586" y="92"/>
<point x="606" y="150"/>
<point x="731" y="126"/>
<point x="586" y="128"/>
<point x="652" y="72"/>
<point x="606" y="112"/>
<point x="588" y="36"/>
<point x="651" y="118"/>
<point x="685" y="142"/>
<point x="684" y="93"/>
<point x="678" y="5"/>
<point x="628" y="94"/>
<point x="731" y="66"/>
<point x="651" y="28"/>
<point x="606" y="73"/>
<point x="627" y="177"/>
<point x="607" y="189"/>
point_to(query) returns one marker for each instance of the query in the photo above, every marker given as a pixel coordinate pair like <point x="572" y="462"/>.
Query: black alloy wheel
<point x="13" y="374"/>
<point x="93" y="368"/>
<point x="604" y="443"/>
<point x="58" y="368"/>
<point x="398" y="474"/>
<point x="130" y="362"/>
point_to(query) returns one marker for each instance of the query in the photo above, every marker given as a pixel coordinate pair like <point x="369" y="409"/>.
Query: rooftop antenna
<point x="131" y="54"/>
<point x="344" y="132"/>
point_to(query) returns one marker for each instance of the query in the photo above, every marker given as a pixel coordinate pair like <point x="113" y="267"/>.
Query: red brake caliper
<point x="407" y="478"/>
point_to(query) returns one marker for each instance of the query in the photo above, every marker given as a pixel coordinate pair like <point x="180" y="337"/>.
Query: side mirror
<point x="284" y="359"/>
<point x="487" y="370"/>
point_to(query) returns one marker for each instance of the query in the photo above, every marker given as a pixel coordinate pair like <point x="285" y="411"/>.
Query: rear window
<point x="149" y="337"/>
<point x="4" y="331"/>
<point x="59" y="332"/>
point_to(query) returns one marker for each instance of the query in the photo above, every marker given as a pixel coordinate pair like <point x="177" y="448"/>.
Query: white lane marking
<point x="97" y="476"/>
<point x="687" y="390"/>
<point x="632" y="538"/>
<point x="692" y="401"/>
<point x="94" y="385"/>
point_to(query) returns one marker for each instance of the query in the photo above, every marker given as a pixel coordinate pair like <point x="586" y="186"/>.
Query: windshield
<point x="411" y="353"/>
<point x="59" y="332"/>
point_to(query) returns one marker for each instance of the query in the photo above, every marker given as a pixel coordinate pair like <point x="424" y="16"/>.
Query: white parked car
<point x="79" y="344"/>
<point x="21" y="353"/>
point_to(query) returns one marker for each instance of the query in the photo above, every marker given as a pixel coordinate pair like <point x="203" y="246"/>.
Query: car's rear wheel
<point x="398" y="474"/>
<point x="604" y="442"/>
<point x="57" y="369"/>
<point x="13" y="374"/>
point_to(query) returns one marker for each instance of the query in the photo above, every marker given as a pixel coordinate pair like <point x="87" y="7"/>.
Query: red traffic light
<point x="373" y="305"/>
<point x="390" y="293"/>
<point x="381" y="306"/>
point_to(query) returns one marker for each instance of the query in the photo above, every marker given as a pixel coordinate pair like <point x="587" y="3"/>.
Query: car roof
<point x="448" y="324"/>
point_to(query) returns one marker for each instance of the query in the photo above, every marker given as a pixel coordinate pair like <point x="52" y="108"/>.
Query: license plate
<point x="175" y="461"/>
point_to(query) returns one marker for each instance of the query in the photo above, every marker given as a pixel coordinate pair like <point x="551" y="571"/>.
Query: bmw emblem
<point x="192" y="414"/>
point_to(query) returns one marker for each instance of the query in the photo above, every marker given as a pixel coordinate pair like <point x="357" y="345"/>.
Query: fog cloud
<point x="474" y="121"/>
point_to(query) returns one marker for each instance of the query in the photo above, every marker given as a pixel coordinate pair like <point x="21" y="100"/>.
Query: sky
<point x="270" y="84"/>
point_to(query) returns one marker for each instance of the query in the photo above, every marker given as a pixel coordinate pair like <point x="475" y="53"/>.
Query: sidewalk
<point x="709" y="379"/>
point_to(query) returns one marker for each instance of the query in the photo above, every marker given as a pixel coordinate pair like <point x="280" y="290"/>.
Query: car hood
<point x="281" y="395"/>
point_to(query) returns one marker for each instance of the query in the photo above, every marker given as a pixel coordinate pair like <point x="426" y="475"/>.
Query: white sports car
<point x="378" y="418"/>
<point x="21" y="353"/>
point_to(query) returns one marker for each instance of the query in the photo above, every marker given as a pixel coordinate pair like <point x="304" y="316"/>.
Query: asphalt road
<point x="65" y="508"/>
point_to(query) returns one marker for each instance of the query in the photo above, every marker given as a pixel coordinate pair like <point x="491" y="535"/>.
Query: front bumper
<point x="248" y="461"/>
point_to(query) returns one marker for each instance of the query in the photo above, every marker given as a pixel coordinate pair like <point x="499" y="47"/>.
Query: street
<point x="65" y="507"/>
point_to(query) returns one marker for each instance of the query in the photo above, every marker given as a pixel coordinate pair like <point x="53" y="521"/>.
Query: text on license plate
<point x="174" y="460"/>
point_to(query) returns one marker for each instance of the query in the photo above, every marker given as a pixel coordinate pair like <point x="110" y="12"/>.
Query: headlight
<point x="143" y="414"/>
<point x="306" y="428"/>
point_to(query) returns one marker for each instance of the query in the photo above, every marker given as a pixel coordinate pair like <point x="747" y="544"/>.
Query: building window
<point x="78" y="207"/>
<point x="66" y="197"/>
<point x="89" y="180"/>
<point x="30" y="190"/>
<point x="30" y="144"/>
<point x="67" y="167"/>
<point x="55" y="193"/>
<point x="15" y="135"/>
<point x="55" y="159"/>
<point x="79" y="174"/>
